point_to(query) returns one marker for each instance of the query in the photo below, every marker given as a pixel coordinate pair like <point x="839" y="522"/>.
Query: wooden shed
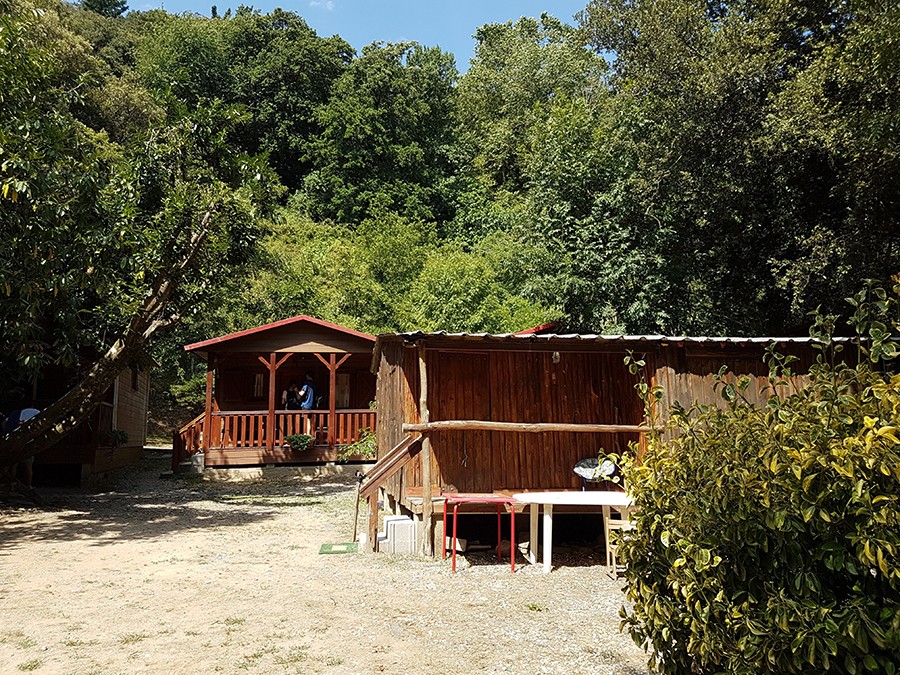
<point x="112" y="437"/>
<point x="511" y="413"/>
<point x="247" y="372"/>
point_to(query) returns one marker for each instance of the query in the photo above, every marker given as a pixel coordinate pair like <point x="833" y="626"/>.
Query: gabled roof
<point x="538" y="330"/>
<point x="303" y="318"/>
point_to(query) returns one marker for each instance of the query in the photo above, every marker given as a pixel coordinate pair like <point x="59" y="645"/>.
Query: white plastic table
<point x="604" y="498"/>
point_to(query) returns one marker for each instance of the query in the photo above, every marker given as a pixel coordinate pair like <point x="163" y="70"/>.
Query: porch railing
<point x="187" y="440"/>
<point x="249" y="428"/>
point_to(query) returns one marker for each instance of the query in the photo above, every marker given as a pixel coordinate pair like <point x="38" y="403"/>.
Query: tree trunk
<point x="47" y="428"/>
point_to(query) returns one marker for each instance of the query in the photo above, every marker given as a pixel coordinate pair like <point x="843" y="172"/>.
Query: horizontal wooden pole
<point x="340" y="411"/>
<point x="531" y="427"/>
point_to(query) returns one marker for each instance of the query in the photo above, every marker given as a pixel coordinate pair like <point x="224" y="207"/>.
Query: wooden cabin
<point x="248" y="371"/>
<point x="512" y="413"/>
<point x="111" y="438"/>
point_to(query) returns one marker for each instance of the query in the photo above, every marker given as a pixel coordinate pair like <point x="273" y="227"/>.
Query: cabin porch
<point x="241" y="438"/>
<point x="244" y="422"/>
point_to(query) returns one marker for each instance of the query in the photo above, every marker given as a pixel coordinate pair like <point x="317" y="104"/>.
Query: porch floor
<point x="257" y="456"/>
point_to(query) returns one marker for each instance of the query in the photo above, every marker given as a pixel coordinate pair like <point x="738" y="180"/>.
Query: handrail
<point x="390" y="463"/>
<point x="196" y="420"/>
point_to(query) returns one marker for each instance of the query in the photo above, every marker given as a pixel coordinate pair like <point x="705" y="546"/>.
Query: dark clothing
<point x="293" y="400"/>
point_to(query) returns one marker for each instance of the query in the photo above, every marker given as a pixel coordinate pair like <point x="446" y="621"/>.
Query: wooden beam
<point x="427" y="506"/>
<point x="341" y="362"/>
<point x="332" y="388"/>
<point x="207" y="420"/>
<point x="263" y="360"/>
<point x="273" y="368"/>
<point x="372" y="525"/>
<point x="530" y="427"/>
<point x="322" y="359"/>
<point x="283" y="359"/>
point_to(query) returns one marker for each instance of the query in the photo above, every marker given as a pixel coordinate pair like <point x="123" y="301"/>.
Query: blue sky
<point x="449" y="25"/>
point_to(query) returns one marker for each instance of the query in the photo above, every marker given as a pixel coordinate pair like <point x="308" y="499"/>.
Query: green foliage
<point x="91" y="227"/>
<point x="386" y="128"/>
<point x="108" y="8"/>
<point x="731" y="182"/>
<point x="282" y="72"/>
<point x="299" y="441"/>
<point x="459" y="291"/>
<point x="187" y="59"/>
<point x="768" y="537"/>
<point x="518" y="70"/>
<point x="366" y="447"/>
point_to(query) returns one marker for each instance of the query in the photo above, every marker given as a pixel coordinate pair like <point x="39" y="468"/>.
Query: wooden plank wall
<point x="131" y="415"/>
<point x="525" y="387"/>
<point x="395" y="368"/>
<point x="686" y="373"/>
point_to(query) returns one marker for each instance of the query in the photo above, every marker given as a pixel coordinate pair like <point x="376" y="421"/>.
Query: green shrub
<point x="768" y="540"/>
<point x="299" y="441"/>
<point x="366" y="447"/>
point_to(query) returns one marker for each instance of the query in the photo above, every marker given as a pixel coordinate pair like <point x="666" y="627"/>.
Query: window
<point x="258" y="385"/>
<point x="135" y="378"/>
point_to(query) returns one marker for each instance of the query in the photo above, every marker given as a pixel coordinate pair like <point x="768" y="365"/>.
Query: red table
<point x="457" y="498"/>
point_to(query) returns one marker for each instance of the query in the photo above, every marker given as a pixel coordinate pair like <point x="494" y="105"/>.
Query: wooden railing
<point x="249" y="428"/>
<point x="350" y="422"/>
<point x="312" y="422"/>
<point x="187" y="440"/>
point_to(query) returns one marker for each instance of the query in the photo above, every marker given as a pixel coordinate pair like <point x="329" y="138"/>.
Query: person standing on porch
<point x="307" y="397"/>
<point x="307" y="393"/>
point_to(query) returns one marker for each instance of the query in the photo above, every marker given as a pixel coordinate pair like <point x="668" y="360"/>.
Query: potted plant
<point x="298" y="442"/>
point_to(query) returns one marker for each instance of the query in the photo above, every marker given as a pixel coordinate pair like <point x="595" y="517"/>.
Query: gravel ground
<point x="152" y="575"/>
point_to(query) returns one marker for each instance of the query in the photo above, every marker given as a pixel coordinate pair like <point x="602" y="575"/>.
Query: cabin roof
<point x="224" y="341"/>
<point x="531" y="336"/>
<point x="576" y="341"/>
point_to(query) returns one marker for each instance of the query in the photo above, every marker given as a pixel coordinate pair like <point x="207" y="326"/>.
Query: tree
<point x="107" y="245"/>
<point x="752" y="227"/>
<point x="109" y="8"/>
<point x="282" y="71"/>
<point x="186" y="59"/>
<point x="517" y="72"/>
<point x="386" y="131"/>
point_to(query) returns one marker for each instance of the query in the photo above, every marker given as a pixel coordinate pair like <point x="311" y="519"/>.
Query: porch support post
<point x="332" y="404"/>
<point x="332" y="364"/>
<point x="270" y="433"/>
<point x="207" y="420"/>
<point x="427" y="507"/>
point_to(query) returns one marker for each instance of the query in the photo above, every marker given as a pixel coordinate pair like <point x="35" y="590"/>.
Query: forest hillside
<point x="660" y="166"/>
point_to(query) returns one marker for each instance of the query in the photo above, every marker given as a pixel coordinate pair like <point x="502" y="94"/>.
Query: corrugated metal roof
<point x="590" y="340"/>
<point x="593" y="337"/>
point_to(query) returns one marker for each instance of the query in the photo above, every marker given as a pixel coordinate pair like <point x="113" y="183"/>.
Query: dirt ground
<point x="179" y="575"/>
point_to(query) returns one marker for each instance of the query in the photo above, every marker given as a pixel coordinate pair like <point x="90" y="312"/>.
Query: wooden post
<point x="207" y="420"/>
<point x="427" y="506"/>
<point x="270" y="431"/>
<point x="332" y="404"/>
<point x="372" y="525"/>
<point x="332" y="364"/>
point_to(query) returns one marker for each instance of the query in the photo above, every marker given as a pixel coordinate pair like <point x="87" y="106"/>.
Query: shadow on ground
<point x="136" y="503"/>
